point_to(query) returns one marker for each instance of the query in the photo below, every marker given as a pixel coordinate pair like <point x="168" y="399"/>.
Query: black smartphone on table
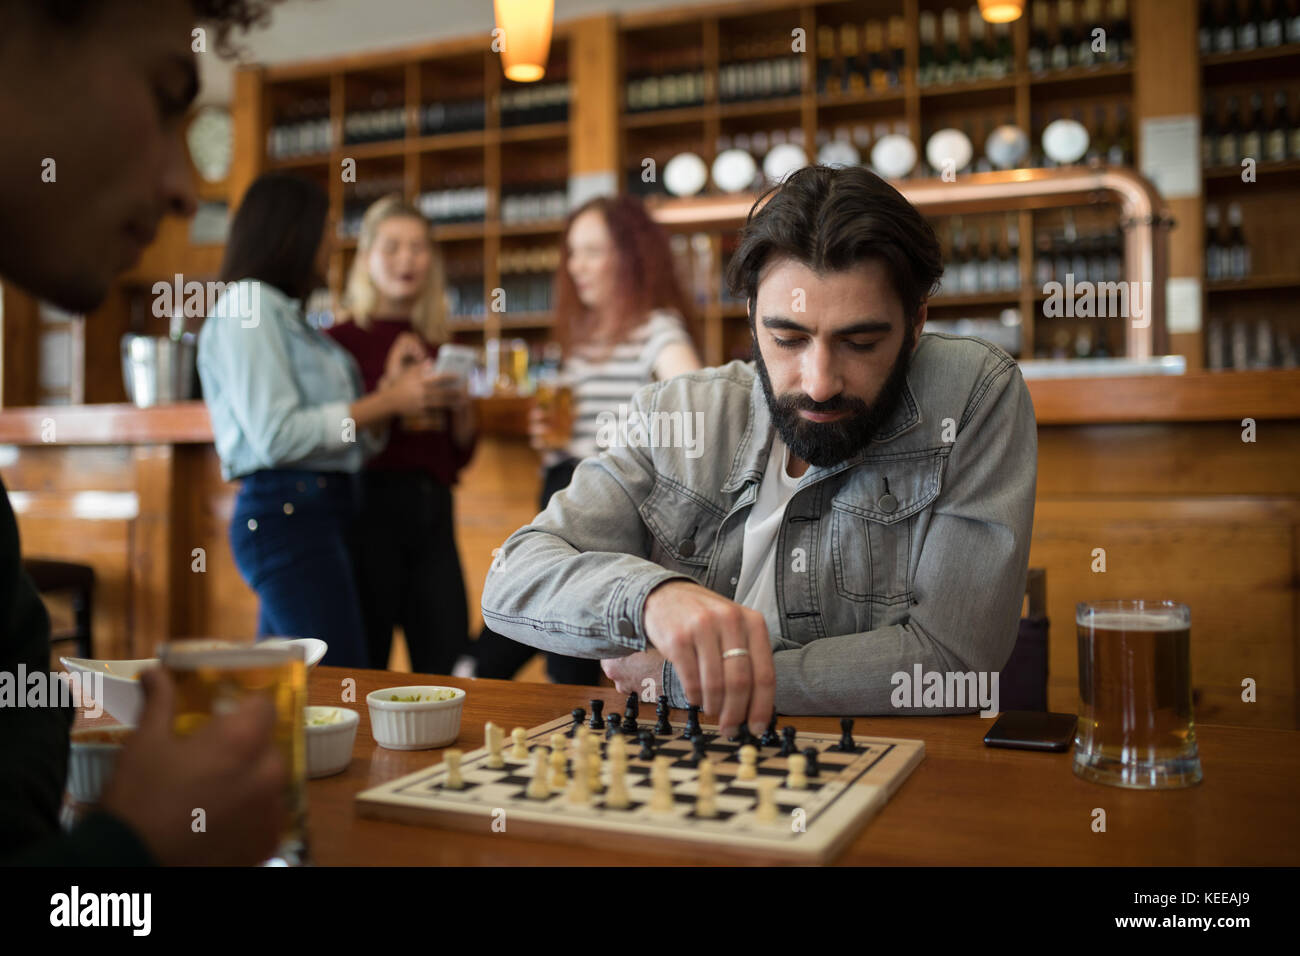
<point x="1032" y="730"/>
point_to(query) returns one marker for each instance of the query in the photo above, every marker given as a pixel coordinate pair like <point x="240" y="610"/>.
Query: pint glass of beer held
<point x="554" y="398"/>
<point x="211" y="677"/>
<point x="1135" y="695"/>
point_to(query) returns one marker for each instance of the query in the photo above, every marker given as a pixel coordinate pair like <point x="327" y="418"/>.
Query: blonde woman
<point x="407" y="568"/>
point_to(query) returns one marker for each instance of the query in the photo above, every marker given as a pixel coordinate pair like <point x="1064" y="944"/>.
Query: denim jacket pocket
<point x="684" y="528"/>
<point x="871" y="536"/>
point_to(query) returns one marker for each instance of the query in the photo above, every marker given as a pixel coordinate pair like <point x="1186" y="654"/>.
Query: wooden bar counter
<point x="1149" y="475"/>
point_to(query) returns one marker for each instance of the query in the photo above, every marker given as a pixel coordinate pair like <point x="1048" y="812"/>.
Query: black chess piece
<point x="647" y="746"/>
<point x="578" y="716"/>
<point x="770" y="738"/>
<point x="743" y="736"/>
<point x="846" y="744"/>
<point x="693" y="728"/>
<point x="811" y="754"/>
<point x="663" y="728"/>
<point x="787" y="741"/>
<point x="613" y="726"/>
<point x="631" y="708"/>
<point x="698" y="749"/>
<point x="597" y="722"/>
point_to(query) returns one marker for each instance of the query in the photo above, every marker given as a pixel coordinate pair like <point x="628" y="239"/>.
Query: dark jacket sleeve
<point x="34" y="740"/>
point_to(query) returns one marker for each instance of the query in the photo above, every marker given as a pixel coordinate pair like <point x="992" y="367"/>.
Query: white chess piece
<point x="578" y="792"/>
<point x="617" y="797"/>
<point x="454" y="781"/>
<point x="706" y="799"/>
<point x="748" y="763"/>
<point x="559" y="779"/>
<point x="593" y="772"/>
<point x="796" y="780"/>
<point x="520" y="751"/>
<point x="492" y="734"/>
<point x="767" y="800"/>
<point x="617" y="749"/>
<point x="537" y="787"/>
<point x="661" y="800"/>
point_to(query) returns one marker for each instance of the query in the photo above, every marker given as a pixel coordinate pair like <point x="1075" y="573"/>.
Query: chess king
<point x="863" y="504"/>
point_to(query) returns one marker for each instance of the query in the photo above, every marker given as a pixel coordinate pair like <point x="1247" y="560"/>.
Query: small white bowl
<point x="92" y="755"/>
<point x="329" y="746"/>
<point x="414" y="725"/>
<point x="123" y="695"/>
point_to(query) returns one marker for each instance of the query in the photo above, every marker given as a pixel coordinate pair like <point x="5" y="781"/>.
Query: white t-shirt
<point x="756" y="586"/>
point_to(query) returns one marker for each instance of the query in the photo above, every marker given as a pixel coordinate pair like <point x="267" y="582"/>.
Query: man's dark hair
<point x="831" y="219"/>
<point x="276" y="233"/>
<point x="222" y="15"/>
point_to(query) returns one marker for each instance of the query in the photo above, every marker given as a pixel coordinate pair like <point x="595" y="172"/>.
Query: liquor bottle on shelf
<point x="1062" y="51"/>
<point x="1009" y="268"/>
<point x="1229" y="134"/>
<point x="951" y="69"/>
<point x="979" y="65"/>
<point x="828" y="74"/>
<point x="1271" y="30"/>
<point x="1275" y="139"/>
<point x="1205" y="28"/>
<point x="926" y="61"/>
<point x="1252" y="138"/>
<point x="1089" y="13"/>
<point x="1097" y="141"/>
<point x="1040" y="44"/>
<point x="1247" y="24"/>
<point x="970" y="268"/>
<point x="896" y="55"/>
<point x="990" y="264"/>
<point x="1119" y="36"/>
<point x="1044" y="260"/>
<point x="877" y="66"/>
<point x="1119" y="152"/>
<point x="1238" y="253"/>
<point x="852" y="78"/>
<point x="1004" y="57"/>
<point x="1225" y="36"/>
<point x="1209" y="134"/>
<point x="1213" y="247"/>
<point x="1292" y="21"/>
<point x="1293" y="136"/>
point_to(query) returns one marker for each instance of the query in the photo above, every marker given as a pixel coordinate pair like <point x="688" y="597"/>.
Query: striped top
<point x="604" y="379"/>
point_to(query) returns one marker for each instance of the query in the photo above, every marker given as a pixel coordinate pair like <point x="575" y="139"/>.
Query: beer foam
<point x="1157" y="619"/>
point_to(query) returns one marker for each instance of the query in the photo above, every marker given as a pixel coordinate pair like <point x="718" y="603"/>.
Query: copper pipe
<point x="1144" y="220"/>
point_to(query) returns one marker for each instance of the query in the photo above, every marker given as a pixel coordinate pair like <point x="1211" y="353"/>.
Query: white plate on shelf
<point x="783" y="160"/>
<point x="1007" y="146"/>
<point x="893" y="156"/>
<point x="949" y="146"/>
<point x="734" y="170"/>
<point x="1065" y="140"/>
<point x="685" y="174"/>
<point x="839" y="153"/>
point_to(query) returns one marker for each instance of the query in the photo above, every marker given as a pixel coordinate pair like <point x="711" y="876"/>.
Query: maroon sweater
<point x="433" y="452"/>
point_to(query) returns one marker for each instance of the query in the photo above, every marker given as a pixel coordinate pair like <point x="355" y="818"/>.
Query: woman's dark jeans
<point x="500" y="657"/>
<point x="291" y="535"/>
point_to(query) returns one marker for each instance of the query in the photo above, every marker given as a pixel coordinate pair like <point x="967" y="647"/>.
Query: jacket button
<point x="288" y="507"/>
<point x="687" y="548"/>
<point x="626" y="628"/>
<point x="887" y="503"/>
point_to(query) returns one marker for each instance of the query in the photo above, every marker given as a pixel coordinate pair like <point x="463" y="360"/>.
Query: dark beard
<point x="828" y="443"/>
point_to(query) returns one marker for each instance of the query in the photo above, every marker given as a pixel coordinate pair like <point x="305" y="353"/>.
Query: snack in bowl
<point x="331" y="732"/>
<point x="415" y="718"/>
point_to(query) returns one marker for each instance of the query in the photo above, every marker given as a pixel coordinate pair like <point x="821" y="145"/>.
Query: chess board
<point x="812" y="825"/>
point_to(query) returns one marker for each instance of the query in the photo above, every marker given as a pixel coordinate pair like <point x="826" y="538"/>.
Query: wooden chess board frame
<point x="850" y="789"/>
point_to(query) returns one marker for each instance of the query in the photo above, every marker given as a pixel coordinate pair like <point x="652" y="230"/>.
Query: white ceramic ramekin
<point x="92" y="755"/>
<point x="414" y="725"/>
<point x="329" y="746"/>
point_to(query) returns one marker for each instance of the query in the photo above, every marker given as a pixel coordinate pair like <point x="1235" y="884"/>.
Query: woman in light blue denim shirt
<point x="290" y="420"/>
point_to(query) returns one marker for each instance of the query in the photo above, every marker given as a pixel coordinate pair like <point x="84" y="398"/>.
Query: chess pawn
<point x="661" y="800"/>
<point x="492" y="734"/>
<point x="579" y="792"/>
<point x="748" y="763"/>
<point x="617" y="797"/>
<point x="767" y="800"/>
<point x="797" y="780"/>
<point x="520" y="751"/>
<point x="559" y="779"/>
<point x="706" y="800"/>
<point x="617" y="750"/>
<point x="593" y="773"/>
<point x="454" y="781"/>
<point x="537" y="787"/>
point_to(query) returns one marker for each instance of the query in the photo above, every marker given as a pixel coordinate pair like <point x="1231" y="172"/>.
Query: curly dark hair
<point x="222" y="15"/>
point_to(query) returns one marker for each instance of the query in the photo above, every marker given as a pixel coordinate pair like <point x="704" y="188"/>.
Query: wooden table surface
<point x="965" y="804"/>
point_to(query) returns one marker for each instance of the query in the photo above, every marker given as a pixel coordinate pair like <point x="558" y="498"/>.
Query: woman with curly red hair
<point x="621" y="320"/>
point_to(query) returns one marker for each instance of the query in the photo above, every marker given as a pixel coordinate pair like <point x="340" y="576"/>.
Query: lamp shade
<point x="1001" y="11"/>
<point x="524" y="37"/>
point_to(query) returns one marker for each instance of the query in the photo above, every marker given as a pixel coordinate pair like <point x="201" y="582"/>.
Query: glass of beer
<point x="211" y="677"/>
<point x="1135" y="695"/>
<point x="554" y="398"/>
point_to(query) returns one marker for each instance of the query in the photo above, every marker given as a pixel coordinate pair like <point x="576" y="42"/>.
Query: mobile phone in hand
<point x="458" y="360"/>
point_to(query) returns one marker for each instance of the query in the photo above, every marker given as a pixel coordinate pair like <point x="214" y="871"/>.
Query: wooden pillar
<point x="593" y="114"/>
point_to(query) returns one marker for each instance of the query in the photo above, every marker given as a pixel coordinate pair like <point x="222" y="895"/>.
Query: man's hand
<point x="628" y="673"/>
<point x="693" y="628"/>
<point x="229" y="768"/>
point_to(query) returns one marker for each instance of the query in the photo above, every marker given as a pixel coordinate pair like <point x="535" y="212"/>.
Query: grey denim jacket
<point x="912" y="552"/>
